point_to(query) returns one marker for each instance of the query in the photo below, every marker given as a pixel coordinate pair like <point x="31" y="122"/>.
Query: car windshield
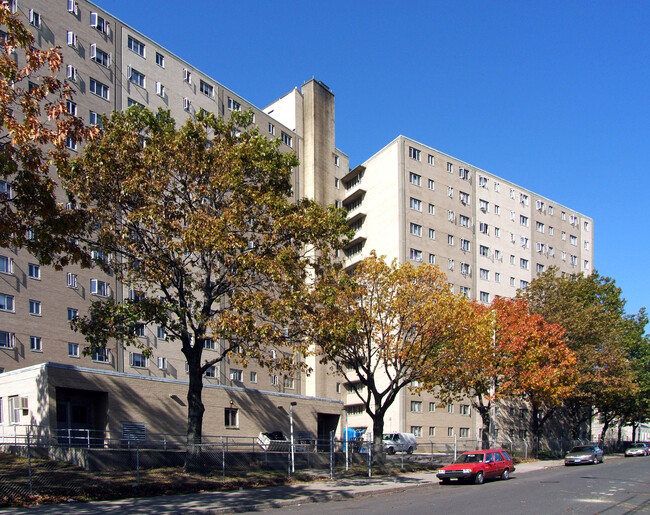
<point x="470" y="458"/>
<point x="583" y="448"/>
<point x="636" y="446"/>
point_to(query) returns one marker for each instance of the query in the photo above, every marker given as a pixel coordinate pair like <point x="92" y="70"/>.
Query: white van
<point x="399" y="442"/>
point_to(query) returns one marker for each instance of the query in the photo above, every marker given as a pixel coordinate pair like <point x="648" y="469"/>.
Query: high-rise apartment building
<point x="408" y="201"/>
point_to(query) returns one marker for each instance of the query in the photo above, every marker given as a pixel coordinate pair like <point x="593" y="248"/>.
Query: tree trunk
<point x="603" y="432"/>
<point x="195" y="410"/>
<point x="484" y="411"/>
<point x="379" y="456"/>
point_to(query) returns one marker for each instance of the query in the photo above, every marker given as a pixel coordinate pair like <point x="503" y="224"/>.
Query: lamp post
<point x="293" y="463"/>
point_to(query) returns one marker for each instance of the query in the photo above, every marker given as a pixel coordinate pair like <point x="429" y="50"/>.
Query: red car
<point x="478" y="466"/>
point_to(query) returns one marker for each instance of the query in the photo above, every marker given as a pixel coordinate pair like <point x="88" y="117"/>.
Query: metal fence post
<point x="223" y="462"/>
<point x="29" y="465"/>
<point x="331" y="454"/>
<point x="371" y="445"/>
<point x="137" y="463"/>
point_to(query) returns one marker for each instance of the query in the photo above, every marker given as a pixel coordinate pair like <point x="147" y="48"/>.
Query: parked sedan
<point x="478" y="466"/>
<point x="637" y="449"/>
<point x="584" y="454"/>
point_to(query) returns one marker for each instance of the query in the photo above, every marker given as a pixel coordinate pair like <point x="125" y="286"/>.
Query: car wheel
<point x="409" y="450"/>
<point x="479" y="478"/>
<point x="390" y="450"/>
<point x="506" y="475"/>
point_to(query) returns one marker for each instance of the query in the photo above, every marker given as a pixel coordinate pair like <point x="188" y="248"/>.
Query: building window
<point x="71" y="280"/>
<point x="206" y="89"/>
<point x="523" y="263"/>
<point x="34" y="307"/>
<point x="465" y="269"/>
<point x="99" y="23"/>
<point x="211" y="372"/>
<point x="432" y="259"/>
<point x="450" y="192"/>
<point x="95" y="119"/>
<point x="450" y="239"/>
<point x="415" y="204"/>
<point x="35" y="343"/>
<point x="523" y="198"/>
<point x="417" y="431"/>
<point x="432" y="184"/>
<point x="497" y="186"/>
<point x="274" y="380"/>
<point x="573" y="240"/>
<point x="450" y="431"/>
<point x="138" y="360"/>
<point x="337" y="160"/>
<point x="187" y="104"/>
<point x="99" y="89"/>
<point x="289" y="383"/>
<point x="99" y="56"/>
<point x="233" y="105"/>
<point x="450" y="408"/>
<point x="432" y="407"/>
<point x="70" y="72"/>
<point x="187" y="77"/>
<point x="463" y="197"/>
<point x="286" y="139"/>
<point x="71" y="38"/>
<point x="416" y="406"/>
<point x="431" y="160"/>
<point x="497" y="277"/>
<point x="415" y="179"/>
<point x="135" y="46"/>
<point x="416" y="229"/>
<point x="483" y="181"/>
<point x="160" y="60"/>
<point x="416" y="255"/>
<point x="451" y="216"/>
<point x="450" y="168"/>
<point x="6" y="265"/>
<point x="73" y="350"/>
<point x="161" y="334"/>
<point x="523" y="220"/>
<point x="463" y="173"/>
<point x="99" y="288"/>
<point x="71" y="107"/>
<point x="271" y="129"/>
<point x="432" y="209"/>
<point x="253" y="377"/>
<point x="70" y="143"/>
<point x="497" y="232"/>
<point x="6" y="191"/>
<point x="484" y="251"/>
<point x="414" y="153"/>
<point x="136" y="77"/>
<point x="464" y="291"/>
<point x="432" y="431"/>
<point x="464" y="245"/>
<point x="512" y="281"/>
<point x="450" y="264"/>
<point x="14" y="409"/>
<point x="231" y="417"/>
<point x="485" y="297"/>
<point x="464" y="409"/>
<point x="483" y="205"/>
<point x="235" y="374"/>
<point x="432" y="234"/>
<point x="484" y="228"/>
<point x="208" y="343"/>
<point x="34" y="271"/>
<point x="485" y="274"/>
<point x="7" y="340"/>
<point x="463" y="432"/>
<point x="72" y="314"/>
<point x="101" y="356"/>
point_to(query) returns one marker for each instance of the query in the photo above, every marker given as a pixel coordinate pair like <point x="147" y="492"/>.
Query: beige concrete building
<point x="408" y="201"/>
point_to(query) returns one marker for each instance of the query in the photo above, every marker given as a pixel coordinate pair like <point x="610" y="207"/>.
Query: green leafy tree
<point x="200" y="220"/>
<point x="592" y="311"/>
<point x="35" y="128"/>
<point x="383" y="327"/>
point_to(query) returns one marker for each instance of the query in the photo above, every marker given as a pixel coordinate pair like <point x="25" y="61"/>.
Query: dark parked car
<point x="478" y="466"/>
<point x="584" y="454"/>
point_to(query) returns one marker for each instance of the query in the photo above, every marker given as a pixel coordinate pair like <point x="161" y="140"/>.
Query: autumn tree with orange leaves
<point x="509" y="352"/>
<point x="35" y="126"/>
<point x="384" y="326"/>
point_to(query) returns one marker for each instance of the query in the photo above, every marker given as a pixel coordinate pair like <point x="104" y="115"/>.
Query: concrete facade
<point x="409" y="202"/>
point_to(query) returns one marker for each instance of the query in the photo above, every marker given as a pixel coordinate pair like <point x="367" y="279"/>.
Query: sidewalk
<point x="258" y="498"/>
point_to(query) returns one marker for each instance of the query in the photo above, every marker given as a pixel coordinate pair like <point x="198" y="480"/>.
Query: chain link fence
<point x="66" y="463"/>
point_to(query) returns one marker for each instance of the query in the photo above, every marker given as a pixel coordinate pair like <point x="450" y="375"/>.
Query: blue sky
<point x="551" y="95"/>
